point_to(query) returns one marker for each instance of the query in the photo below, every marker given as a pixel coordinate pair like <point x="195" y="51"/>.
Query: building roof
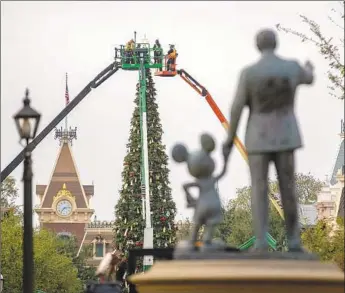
<point x="339" y="162"/>
<point x="65" y="172"/>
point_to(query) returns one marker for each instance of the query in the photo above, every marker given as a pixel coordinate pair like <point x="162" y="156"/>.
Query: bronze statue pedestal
<point x="242" y="275"/>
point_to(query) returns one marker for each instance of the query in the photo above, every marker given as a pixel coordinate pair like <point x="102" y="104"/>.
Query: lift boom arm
<point x="96" y="82"/>
<point x="203" y="92"/>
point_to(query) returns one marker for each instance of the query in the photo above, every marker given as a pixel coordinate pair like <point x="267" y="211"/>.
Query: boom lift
<point x="140" y="59"/>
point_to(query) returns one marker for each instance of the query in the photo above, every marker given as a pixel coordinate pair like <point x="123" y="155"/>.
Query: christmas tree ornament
<point x="126" y="233"/>
<point x="163" y="229"/>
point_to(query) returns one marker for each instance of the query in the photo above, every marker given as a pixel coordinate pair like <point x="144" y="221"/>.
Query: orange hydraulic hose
<point x="237" y="142"/>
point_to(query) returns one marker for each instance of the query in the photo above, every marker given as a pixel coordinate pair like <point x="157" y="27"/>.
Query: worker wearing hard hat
<point x="129" y="48"/>
<point x="172" y="54"/>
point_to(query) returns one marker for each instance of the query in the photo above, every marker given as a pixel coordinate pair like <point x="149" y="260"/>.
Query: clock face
<point x="64" y="208"/>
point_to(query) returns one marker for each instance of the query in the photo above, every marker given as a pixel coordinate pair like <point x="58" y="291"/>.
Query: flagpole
<point x="67" y="101"/>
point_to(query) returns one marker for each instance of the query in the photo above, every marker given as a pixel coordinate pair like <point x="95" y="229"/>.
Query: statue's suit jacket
<point x="268" y="89"/>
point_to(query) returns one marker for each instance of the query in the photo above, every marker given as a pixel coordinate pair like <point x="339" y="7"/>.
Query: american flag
<point x="66" y="91"/>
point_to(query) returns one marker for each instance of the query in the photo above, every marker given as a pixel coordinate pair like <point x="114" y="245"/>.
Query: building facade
<point x="330" y="202"/>
<point x="65" y="203"/>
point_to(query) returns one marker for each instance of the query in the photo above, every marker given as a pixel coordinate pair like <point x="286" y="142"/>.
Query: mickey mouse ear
<point x="179" y="153"/>
<point x="207" y="142"/>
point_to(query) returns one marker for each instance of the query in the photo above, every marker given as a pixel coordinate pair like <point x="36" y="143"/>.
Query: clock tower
<point x="64" y="202"/>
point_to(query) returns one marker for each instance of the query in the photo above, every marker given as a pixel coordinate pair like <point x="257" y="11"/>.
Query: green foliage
<point x="307" y="188"/>
<point x="328" y="47"/>
<point x="238" y="218"/>
<point x="9" y="192"/>
<point x="326" y="241"/>
<point x="54" y="272"/>
<point x="68" y="246"/>
<point x="129" y="224"/>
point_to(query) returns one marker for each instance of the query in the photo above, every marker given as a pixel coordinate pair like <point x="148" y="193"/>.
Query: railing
<point x="101" y="224"/>
<point x="141" y="50"/>
<point x="271" y="242"/>
<point x="165" y="65"/>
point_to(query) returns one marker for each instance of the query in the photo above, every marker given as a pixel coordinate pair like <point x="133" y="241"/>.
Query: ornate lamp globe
<point x="27" y="120"/>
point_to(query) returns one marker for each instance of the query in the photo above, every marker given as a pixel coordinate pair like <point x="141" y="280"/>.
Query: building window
<point x="99" y="249"/>
<point x="107" y="247"/>
<point x="64" y="235"/>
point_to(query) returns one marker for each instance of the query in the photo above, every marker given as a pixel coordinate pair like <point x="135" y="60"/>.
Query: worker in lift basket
<point x="130" y="46"/>
<point x="157" y="49"/>
<point x="172" y="54"/>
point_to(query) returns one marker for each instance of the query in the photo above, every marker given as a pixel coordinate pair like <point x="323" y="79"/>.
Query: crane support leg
<point x="203" y="92"/>
<point x="96" y="82"/>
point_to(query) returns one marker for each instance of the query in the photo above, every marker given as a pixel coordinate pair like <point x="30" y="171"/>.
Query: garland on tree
<point x="129" y="223"/>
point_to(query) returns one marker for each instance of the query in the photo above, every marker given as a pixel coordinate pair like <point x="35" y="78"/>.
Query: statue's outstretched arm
<point x="306" y="73"/>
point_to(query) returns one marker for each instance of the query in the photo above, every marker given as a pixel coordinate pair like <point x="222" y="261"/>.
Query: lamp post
<point x="27" y="120"/>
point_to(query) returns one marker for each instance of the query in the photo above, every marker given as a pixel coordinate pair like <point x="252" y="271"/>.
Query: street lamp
<point x="27" y="120"/>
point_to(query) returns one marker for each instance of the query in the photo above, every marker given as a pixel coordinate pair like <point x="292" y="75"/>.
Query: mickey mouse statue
<point x="207" y="205"/>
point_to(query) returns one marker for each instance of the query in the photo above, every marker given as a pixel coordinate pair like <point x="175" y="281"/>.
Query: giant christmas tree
<point x="129" y="223"/>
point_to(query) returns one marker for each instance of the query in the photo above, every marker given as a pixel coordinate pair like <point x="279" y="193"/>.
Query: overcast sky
<point x="40" y="41"/>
